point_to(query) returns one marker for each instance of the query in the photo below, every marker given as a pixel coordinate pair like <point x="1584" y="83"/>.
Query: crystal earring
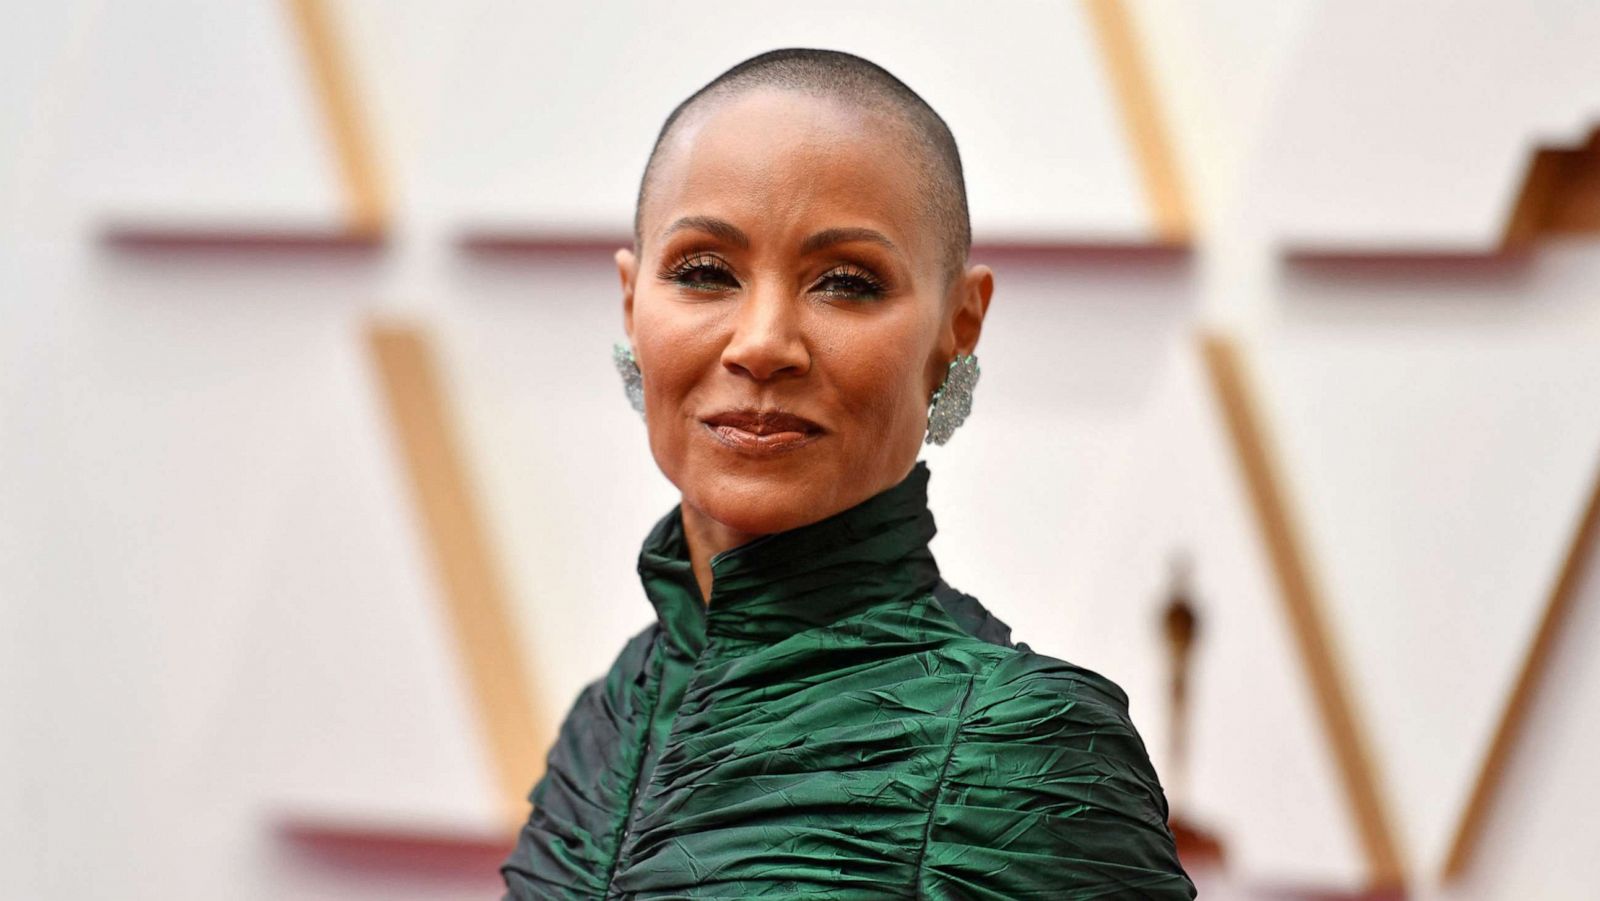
<point x="632" y="378"/>
<point x="953" y="400"/>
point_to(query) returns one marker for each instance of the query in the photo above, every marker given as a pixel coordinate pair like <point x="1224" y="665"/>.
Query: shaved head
<point x="923" y="138"/>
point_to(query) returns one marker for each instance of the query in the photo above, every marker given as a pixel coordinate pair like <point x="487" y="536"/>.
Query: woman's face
<point x="789" y="310"/>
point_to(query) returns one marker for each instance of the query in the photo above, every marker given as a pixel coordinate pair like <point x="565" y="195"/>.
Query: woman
<point x="815" y="713"/>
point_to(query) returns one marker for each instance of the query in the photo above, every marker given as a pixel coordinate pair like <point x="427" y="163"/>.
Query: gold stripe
<point x="369" y="209"/>
<point x="1492" y="771"/>
<point x="478" y="606"/>
<point x="1242" y="416"/>
<point x="1539" y="184"/>
<point x="1560" y="194"/>
<point x="1141" y="116"/>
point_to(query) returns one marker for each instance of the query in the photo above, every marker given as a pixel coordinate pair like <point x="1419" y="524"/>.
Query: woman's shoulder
<point x="1016" y="670"/>
<point x="1026" y="676"/>
<point x="1023" y="702"/>
<point x="1049" y="789"/>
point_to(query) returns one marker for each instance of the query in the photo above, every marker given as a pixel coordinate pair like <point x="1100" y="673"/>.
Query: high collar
<point x="779" y="584"/>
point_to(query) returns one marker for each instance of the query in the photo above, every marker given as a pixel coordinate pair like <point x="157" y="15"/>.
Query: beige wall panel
<point x="1049" y="152"/>
<point x="1254" y="706"/>
<point x="198" y="118"/>
<point x="1439" y="553"/>
<point x="1408" y="127"/>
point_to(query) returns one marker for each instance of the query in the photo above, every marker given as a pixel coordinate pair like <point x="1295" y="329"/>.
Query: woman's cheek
<point x="884" y="394"/>
<point x="670" y="347"/>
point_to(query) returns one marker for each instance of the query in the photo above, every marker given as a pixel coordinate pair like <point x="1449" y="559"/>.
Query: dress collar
<point x="779" y="584"/>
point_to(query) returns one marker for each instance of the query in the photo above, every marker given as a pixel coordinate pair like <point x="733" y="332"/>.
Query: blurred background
<point x="320" y="499"/>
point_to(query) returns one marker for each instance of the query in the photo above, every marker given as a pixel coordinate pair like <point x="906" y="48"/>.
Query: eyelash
<point x="864" y="284"/>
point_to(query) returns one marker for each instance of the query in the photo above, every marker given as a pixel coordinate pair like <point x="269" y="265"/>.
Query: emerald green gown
<point x="840" y="723"/>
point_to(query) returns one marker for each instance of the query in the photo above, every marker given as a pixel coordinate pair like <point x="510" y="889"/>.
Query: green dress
<point x="841" y="723"/>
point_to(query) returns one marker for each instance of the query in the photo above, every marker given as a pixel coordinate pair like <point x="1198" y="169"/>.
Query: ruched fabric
<point x="839" y="722"/>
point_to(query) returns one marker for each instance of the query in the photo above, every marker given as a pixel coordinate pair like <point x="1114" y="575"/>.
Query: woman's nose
<point x="767" y="341"/>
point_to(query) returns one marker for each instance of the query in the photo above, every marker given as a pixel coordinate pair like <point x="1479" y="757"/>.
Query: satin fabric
<point x="841" y="723"/>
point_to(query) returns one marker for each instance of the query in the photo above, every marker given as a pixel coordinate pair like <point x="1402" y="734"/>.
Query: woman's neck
<point x="707" y="538"/>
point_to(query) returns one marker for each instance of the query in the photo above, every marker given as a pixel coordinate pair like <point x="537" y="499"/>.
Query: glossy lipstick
<point x="762" y="432"/>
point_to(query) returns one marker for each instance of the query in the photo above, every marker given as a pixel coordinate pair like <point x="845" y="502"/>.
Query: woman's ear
<point x="628" y="270"/>
<point x="974" y="289"/>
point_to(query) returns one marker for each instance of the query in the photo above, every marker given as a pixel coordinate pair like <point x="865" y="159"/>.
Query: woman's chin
<point x="764" y="502"/>
<point x="760" y="496"/>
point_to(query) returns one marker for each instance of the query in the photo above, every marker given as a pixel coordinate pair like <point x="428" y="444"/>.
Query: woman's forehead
<point x="780" y="156"/>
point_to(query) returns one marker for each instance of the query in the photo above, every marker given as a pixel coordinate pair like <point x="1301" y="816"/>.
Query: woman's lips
<point x="762" y="431"/>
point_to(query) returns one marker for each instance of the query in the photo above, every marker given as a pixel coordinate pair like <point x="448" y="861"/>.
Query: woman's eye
<point x="850" y="284"/>
<point x="703" y="274"/>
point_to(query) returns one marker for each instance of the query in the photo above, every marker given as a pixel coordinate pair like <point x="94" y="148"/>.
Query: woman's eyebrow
<point x="727" y="231"/>
<point x="830" y="236"/>
<point x="719" y="228"/>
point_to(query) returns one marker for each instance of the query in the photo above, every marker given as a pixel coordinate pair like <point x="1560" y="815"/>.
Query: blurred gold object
<point x="1197" y="847"/>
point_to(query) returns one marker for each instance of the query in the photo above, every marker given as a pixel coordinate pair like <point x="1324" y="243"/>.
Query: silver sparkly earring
<point x="632" y="378"/>
<point x="953" y="400"/>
